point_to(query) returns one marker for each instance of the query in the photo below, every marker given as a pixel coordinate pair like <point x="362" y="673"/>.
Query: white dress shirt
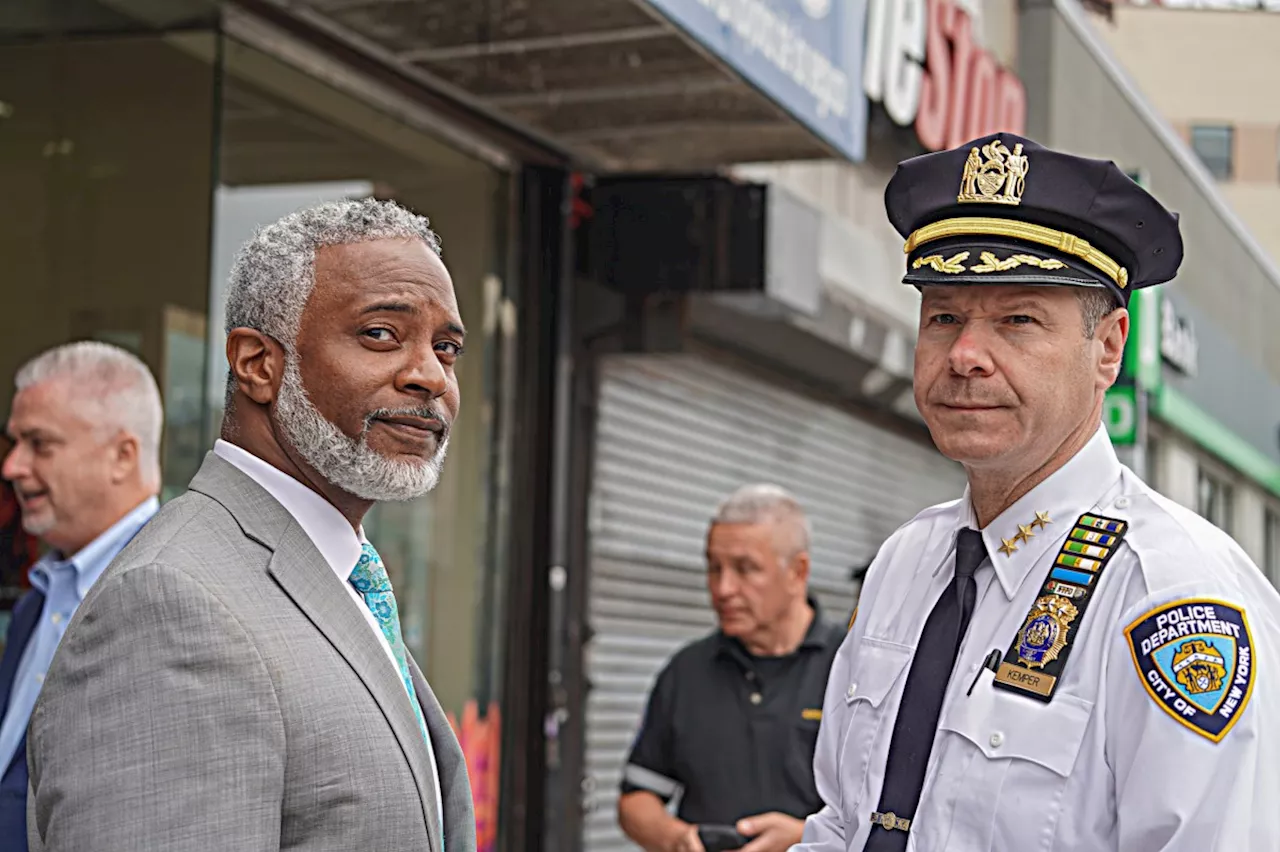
<point x="1103" y="765"/>
<point x="333" y="536"/>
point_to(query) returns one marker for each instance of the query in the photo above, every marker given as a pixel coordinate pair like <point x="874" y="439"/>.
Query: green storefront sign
<point x="1140" y="371"/>
<point x="1120" y="413"/>
<point x="1142" y="389"/>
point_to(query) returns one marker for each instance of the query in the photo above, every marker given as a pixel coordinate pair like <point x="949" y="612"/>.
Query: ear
<point x="257" y="362"/>
<point x="800" y="566"/>
<point x="125" y="459"/>
<point x="1112" y="332"/>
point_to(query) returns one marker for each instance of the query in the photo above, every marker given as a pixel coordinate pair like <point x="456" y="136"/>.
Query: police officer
<point x="733" y="718"/>
<point x="1062" y="659"/>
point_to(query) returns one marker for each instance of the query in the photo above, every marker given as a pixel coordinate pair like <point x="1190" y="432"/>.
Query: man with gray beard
<point x="237" y="679"/>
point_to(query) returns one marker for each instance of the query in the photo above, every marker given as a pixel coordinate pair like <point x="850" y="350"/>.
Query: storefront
<point x="141" y="143"/>
<point x="138" y="155"/>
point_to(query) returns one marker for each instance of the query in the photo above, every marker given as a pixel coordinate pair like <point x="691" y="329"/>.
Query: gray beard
<point x="346" y="462"/>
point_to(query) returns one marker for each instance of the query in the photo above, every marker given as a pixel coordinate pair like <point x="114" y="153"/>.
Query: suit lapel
<point x="306" y="578"/>
<point x="319" y="594"/>
<point x="451" y="764"/>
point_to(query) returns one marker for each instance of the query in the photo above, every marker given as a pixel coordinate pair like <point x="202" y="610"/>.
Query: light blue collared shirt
<point x="64" y="583"/>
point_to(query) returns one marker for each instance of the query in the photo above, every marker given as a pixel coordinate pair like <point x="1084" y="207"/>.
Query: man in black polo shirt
<point x="733" y="718"/>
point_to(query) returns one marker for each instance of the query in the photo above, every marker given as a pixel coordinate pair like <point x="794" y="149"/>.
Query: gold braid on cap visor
<point x="989" y="227"/>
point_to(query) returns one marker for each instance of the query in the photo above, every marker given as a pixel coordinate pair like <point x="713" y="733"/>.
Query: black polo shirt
<point x="735" y="732"/>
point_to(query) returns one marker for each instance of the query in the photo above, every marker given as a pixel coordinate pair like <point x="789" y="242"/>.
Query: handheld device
<point x="721" y="838"/>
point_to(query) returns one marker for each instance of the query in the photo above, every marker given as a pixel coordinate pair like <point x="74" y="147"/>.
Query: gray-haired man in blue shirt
<point x="85" y="467"/>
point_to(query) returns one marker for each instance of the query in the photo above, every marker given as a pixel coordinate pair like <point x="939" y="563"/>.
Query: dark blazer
<point x="13" y="783"/>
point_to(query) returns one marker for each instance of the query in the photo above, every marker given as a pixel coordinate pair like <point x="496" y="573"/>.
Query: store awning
<point x="629" y="84"/>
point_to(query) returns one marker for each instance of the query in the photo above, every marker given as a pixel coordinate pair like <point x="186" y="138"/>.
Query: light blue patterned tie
<point x="371" y="581"/>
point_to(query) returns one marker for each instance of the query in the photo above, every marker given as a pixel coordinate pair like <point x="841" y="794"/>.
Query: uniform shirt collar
<point x="1068" y="492"/>
<point x="92" y="559"/>
<point x="328" y="529"/>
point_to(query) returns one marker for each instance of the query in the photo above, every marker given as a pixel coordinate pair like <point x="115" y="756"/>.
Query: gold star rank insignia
<point x="1008" y="545"/>
<point x="1025" y="532"/>
<point x="1042" y="520"/>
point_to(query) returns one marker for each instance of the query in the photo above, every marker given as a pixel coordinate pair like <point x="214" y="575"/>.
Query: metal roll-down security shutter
<point x="675" y="434"/>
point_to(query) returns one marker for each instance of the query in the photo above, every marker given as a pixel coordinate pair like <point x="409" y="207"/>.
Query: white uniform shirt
<point x="1103" y="765"/>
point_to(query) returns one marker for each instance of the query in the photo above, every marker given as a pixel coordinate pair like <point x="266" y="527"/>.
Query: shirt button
<point x="1122" y="502"/>
<point x="40" y="677"/>
<point x="56" y="618"/>
<point x="997" y="740"/>
<point x="853" y="689"/>
<point x="756" y="698"/>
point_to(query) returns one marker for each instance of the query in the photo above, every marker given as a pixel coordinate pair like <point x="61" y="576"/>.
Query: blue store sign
<point x="805" y="54"/>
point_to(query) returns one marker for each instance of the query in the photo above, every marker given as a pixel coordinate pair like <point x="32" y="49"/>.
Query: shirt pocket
<point x="1006" y="770"/>
<point x="870" y="678"/>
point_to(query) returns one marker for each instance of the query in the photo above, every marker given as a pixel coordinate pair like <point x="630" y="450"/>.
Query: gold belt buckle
<point x="890" y="821"/>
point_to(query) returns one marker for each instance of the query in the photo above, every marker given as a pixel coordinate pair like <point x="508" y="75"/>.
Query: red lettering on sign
<point x="935" y="92"/>
<point x="982" y="96"/>
<point x="1011" y="103"/>
<point x="964" y="93"/>
<point x="962" y="51"/>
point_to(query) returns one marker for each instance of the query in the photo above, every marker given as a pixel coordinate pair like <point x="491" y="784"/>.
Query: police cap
<point x="1005" y="210"/>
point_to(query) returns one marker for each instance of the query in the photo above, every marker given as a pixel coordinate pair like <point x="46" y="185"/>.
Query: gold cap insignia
<point x="998" y="179"/>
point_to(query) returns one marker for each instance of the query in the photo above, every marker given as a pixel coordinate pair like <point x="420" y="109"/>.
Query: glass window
<point x="1214" y="499"/>
<point x="106" y="159"/>
<point x="1213" y="143"/>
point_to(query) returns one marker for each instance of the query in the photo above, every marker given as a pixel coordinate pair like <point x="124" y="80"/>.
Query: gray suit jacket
<point x="219" y="689"/>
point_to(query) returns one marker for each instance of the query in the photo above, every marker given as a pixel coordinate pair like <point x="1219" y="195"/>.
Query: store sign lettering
<point x="923" y="64"/>
<point x="1178" y="344"/>
<point x="804" y="54"/>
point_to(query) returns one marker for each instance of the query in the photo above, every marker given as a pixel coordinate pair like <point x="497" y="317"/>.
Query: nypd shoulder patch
<point x="1195" y="658"/>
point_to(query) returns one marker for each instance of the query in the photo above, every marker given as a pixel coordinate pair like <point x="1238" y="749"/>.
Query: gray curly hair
<point x="274" y="272"/>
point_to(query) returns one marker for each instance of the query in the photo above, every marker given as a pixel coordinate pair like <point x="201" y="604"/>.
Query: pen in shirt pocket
<point x="991" y="662"/>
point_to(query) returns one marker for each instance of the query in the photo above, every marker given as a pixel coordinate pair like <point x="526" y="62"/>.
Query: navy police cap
<point x="1005" y="210"/>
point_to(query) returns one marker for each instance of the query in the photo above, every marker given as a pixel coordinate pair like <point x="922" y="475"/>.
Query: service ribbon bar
<point x="1035" y="661"/>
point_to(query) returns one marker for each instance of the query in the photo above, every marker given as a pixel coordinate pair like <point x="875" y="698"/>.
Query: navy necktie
<point x="926" y="686"/>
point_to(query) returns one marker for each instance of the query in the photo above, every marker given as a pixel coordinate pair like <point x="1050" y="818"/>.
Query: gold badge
<point x="1044" y="634"/>
<point x="999" y="179"/>
<point x="1024" y="532"/>
<point x="1008" y="545"/>
<point x="1042" y="520"/>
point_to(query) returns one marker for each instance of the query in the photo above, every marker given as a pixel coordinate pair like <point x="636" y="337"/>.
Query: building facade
<point x="141" y="143"/>
<point x="1194" y="61"/>
<point x="1196" y="413"/>
<point x="665" y="222"/>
